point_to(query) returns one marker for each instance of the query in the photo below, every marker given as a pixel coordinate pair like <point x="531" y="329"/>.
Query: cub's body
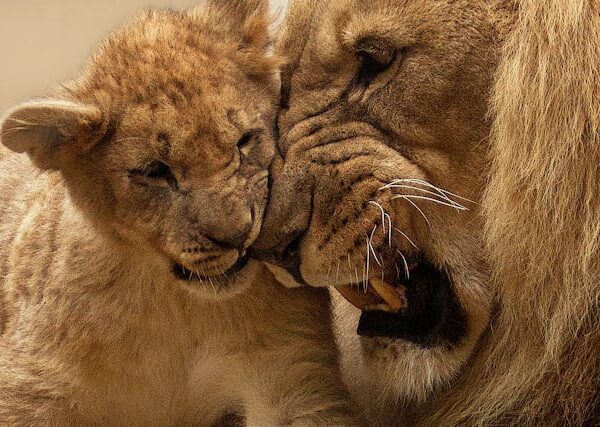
<point x="90" y="327"/>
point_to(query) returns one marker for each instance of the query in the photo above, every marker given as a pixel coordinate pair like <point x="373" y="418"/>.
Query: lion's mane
<point x="540" y="362"/>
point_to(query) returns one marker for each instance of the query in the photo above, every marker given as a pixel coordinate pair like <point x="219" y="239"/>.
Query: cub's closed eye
<point x="245" y="139"/>
<point x="374" y="59"/>
<point x="155" y="174"/>
<point x="248" y="137"/>
<point x="245" y="142"/>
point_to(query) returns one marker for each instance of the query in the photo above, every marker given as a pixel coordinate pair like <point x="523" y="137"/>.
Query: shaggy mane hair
<point x="539" y="363"/>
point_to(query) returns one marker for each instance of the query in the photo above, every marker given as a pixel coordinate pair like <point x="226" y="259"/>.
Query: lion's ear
<point x="246" y="20"/>
<point x="48" y="130"/>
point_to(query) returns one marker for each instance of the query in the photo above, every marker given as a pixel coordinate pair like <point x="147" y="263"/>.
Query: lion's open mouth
<point x="419" y="306"/>
<point x="185" y="274"/>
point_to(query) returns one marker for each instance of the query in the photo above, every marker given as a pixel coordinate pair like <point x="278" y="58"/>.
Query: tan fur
<point x="95" y="328"/>
<point x="497" y="102"/>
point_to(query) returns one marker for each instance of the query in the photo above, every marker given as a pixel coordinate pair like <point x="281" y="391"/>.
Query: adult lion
<point x="452" y="149"/>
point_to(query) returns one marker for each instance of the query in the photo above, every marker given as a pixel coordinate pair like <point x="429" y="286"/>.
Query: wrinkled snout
<point x="228" y="224"/>
<point x="232" y="236"/>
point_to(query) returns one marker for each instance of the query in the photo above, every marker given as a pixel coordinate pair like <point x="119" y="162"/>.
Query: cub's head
<point x="383" y="139"/>
<point x="166" y="139"/>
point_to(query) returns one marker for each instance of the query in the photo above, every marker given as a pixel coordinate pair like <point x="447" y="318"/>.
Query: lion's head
<point x="405" y="182"/>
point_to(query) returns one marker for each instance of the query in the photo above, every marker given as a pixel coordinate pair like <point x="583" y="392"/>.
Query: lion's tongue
<point x="379" y="296"/>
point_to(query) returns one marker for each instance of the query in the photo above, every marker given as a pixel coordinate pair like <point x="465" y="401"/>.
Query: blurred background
<point x="45" y="42"/>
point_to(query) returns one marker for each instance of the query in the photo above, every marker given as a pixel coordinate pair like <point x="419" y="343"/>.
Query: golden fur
<point x="496" y="102"/>
<point x="98" y="323"/>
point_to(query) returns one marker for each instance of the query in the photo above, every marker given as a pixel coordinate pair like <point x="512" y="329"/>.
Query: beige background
<point x="45" y="42"/>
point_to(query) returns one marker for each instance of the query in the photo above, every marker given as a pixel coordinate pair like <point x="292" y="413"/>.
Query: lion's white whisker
<point x="371" y="202"/>
<point x="397" y="270"/>
<point x="406" y="237"/>
<point x="337" y="272"/>
<point x="430" y="185"/>
<point x="432" y="193"/>
<point x="439" y="202"/>
<point x="366" y="278"/>
<point x="372" y="248"/>
<point x="405" y="264"/>
<point x="451" y="203"/>
<point x="363" y="277"/>
<point x="349" y="263"/>
<point x="415" y="206"/>
<point x="389" y="218"/>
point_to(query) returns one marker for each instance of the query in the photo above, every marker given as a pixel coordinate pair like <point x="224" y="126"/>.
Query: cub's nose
<point x="233" y="238"/>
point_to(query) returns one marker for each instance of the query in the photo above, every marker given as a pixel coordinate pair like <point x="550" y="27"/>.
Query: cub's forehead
<point x="162" y="54"/>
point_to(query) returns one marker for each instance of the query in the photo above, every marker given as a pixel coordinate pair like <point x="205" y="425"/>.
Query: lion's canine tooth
<point x="357" y="298"/>
<point x="393" y="296"/>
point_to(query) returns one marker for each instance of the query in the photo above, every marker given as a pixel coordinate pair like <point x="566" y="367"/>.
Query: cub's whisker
<point x="25" y="123"/>
<point x="13" y="130"/>
<point x="213" y="285"/>
<point x="329" y="272"/>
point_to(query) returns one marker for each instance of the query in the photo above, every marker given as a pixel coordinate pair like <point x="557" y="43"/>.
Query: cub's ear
<point x="51" y="130"/>
<point x="246" y="20"/>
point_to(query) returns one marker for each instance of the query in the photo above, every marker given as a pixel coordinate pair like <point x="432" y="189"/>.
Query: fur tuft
<point x="543" y="226"/>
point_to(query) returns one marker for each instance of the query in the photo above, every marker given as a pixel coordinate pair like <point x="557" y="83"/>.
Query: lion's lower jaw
<point x="383" y="373"/>
<point x="379" y="371"/>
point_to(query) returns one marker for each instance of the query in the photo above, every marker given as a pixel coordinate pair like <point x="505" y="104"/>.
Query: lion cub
<point x="126" y="293"/>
